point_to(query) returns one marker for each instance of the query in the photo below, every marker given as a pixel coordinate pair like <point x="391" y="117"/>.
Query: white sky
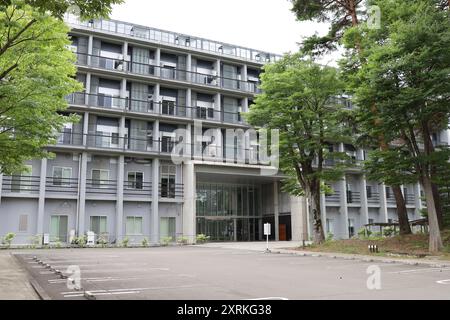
<point x="267" y="25"/>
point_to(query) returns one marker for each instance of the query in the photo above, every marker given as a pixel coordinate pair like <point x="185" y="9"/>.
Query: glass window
<point x="22" y="181"/>
<point x="134" y="225"/>
<point x="168" y="228"/>
<point x="136" y="180"/>
<point x="100" y="178"/>
<point x="369" y="192"/>
<point x="98" y="225"/>
<point x="62" y="176"/>
<point x="168" y="181"/>
<point x="58" y="228"/>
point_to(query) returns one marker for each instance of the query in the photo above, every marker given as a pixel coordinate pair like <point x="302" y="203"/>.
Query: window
<point x="134" y="226"/>
<point x="168" y="228"/>
<point x="405" y="194"/>
<point x="135" y="180"/>
<point x="58" y="228"/>
<point x="100" y="178"/>
<point x="98" y="225"/>
<point x="22" y="181"/>
<point x="23" y="223"/>
<point x="168" y="107"/>
<point x="369" y="192"/>
<point x="330" y="226"/>
<point x="388" y="192"/>
<point x="168" y="179"/>
<point x="62" y="176"/>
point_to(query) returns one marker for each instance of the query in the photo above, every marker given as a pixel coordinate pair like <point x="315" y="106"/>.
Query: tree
<point x="36" y="74"/>
<point x="345" y="15"/>
<point x="407" y="74"/>
<point x="297" y="99"/>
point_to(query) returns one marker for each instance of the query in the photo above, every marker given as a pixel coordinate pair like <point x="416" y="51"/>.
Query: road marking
<point x="426" y="270"/>
<point x="443" y="281"/>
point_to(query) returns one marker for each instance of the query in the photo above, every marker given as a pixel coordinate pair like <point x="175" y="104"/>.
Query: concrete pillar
<point x="154" y="226"/>
<point x="323" y="207"/>
<point x="123" y="93"/>
<point x="125" y="50"/>
<point x="82" y="196"/>
<point x="276" y="210"/>
<point x="41" y="205"/>
<point x="90" y="49"/>
<point x="299" y="219"/>
<point x="122" y="133"/>
<point x="157" y="99"/>
<point x="343" y="210"/>
<point x="383" y="204"/>
<point x="244" y="78"/>
<point x="218" y="107"/>
<point x="119" y="204"/>
<point x="364" y="201"/>
<point x="244" y="108"/>
<point x="158" y="62"/>
<point x="189" y="67"/>
<point x="219" y="71"/>
<point x="417" y="199"/>
<point x="156" y="136"/>
<point x="1" y="185"/>
<point x="189" y="111"/>
<point x="85" y="128"/>
<point x="88" y="88"/>
<point x="189" y="205"/>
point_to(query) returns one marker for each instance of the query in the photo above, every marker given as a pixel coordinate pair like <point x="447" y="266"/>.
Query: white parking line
<point x="425" y="270"/>
<point x="443" y="281"/>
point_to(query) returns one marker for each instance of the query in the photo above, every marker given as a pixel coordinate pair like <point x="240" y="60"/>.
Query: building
<point x="113" y="174"/>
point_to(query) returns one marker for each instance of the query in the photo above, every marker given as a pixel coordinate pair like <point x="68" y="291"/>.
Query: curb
<point x="363" y="258"/>
<point x="38" y="289"/>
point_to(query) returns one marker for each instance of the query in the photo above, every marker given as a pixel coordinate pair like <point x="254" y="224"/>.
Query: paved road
<point x="14" y="282"/>
<point x="198" y="273"/>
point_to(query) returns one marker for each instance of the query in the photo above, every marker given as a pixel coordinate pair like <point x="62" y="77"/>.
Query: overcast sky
<point x="267" y="25"/>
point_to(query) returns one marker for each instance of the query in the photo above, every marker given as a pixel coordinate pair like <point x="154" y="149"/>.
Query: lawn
<point x="411" y="246"/>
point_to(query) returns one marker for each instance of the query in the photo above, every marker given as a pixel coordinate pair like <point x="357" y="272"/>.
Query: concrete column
<point x="219" y="72"/>
<point x="344" y="209"/>
<point x="154" y="226"/>
<point x="156" y="136"/>
<point x="417" y="199"/>
<point x="1" y="185"/>
<point x="157" y="98"/>
<point x="189" y="146"/>
<point x="88" y="87"/>
<point x="189" y="67"/>
<point x="123" y="89"/>
<point x="218" y="107"/>
<point x="323" y="207"/>
<point x="82" y="197"/>
<point x="244" y="78"/>
<point x="276" y="209"/>
<point x="299" y="219"/>
<point x="119" y="204"/>
<point x="244" y="108"/>
<point x="158" y="62"/>
<point x="383" y="204"/>
<point x="125" y="50"/>
<point x="85" y="128"/>
<point x="122" y="133"/>
<point x="189" y="205"/>
<point x="90" y="49"/>
<point x="189" y="111"/>
<point x="364" y="201"/>
<point x="41" y="205"/>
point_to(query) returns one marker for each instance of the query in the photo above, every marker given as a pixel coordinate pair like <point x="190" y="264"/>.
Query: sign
<point x="267" y="229"/>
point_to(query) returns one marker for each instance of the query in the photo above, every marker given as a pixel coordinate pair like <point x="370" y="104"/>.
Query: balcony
<point x="123" y="66"/>
<point x="149" y="107"/>
<point x="333" y="198"/>
<point x="21" y="184"/>
<point x="57" y="185"/>
<point x="353" y="197"/>
<point x="173" y="39"/>
<point x="137" y="189"/>
<point x="95" y="187"/>
<point x="171" y="191"/>
<point x="373" y="198"/>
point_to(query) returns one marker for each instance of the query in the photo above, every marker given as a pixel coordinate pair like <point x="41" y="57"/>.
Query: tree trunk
<point x="402" y="212"/>
<point x="435" y="233"/>
<point x="437" y="202"/>
<point x="314" y="200"/>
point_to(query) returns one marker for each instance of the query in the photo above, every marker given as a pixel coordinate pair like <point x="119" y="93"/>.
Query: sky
<point x="267" y="25"/>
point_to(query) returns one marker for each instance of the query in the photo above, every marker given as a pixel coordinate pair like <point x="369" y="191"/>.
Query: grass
<point x="410" y="246"/>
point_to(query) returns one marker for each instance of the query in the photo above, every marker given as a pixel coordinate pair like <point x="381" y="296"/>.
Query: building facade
<point x="113" y="174"/>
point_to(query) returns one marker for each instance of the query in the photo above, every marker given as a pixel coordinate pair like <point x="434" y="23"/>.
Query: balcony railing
<point x="353" y="197"/>
<point x="154" y="108"/>
<point x="373" y="198"/>
<point x="210" y="80"/>
<point x="137" y="188"/>
<point x="171" y="191"/>
<point x="97" y="186"/>
<point x="21" y="184"/>
<point x="333" y="198"/>
<point x="174" y="39"/>
<point x="62" y="185"/>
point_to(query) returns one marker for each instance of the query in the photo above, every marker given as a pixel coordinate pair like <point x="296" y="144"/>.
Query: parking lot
<point x="199" y="273"/>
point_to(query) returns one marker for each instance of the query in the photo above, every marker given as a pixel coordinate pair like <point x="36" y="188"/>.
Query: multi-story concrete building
<point x="113" y="174"/>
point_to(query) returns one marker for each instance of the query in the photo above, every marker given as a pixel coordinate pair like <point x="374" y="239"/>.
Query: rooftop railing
<point x="174" y="39"/>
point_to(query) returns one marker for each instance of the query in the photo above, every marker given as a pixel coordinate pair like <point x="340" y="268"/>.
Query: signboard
<point x="267" y="229"/>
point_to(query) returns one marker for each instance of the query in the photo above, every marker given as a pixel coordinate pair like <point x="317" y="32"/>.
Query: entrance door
<point x="58" y="228"/>
<point x="167" y="227"/>
<point x="283" y="232"/>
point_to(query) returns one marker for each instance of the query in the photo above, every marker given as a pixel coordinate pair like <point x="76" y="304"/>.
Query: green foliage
<point x="8" y="239"/>
<point x="166" y="241"/>
<point x="80" y="241"/>
<point x="364" y="233"/>
<point x="389" y="232"/>
<point x="201" y="238"/>
<point x="57" y="8"/>
<point x="102" y="242"/>
<point x="125" y="242"/>
<point x="145" y="243"/>
<point x="330" y="237"/>
<point x="182" y="240"/>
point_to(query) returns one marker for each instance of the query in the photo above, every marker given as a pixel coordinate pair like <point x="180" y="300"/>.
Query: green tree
<point x="407" y="75"/>
<point x="344" y="16"/>
<point x="297" y="99"/>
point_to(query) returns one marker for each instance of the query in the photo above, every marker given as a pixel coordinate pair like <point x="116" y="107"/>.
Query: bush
<point x="330" y="237"/>
<point x="182" y="240"/>
<point x="166" y="241"/>
<point x="202" y="238"/>
<point x="364" y="233"/>
<point x="145" y="243"/>
<point x="80" y="241"/>
<point x="389" y="232"/>
<point x="8" y="239"/>
<point x="125" y="242"/>
<point x="102" y="242"/>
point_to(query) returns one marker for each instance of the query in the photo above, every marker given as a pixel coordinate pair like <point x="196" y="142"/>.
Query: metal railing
<point x="333" y="198"/>
<point x="21" y="184"/>
<point x="98" y="186"/>
<point x="174" y="39"/>
<point x="61" y="185"/>
<point x="137" y="188"/>
<point x="210" y="80"/>
<point x="154" y="108"/>
<point x="171" y="191"/>
<point x="373" y="198"/>
<point x="353" y="197"/>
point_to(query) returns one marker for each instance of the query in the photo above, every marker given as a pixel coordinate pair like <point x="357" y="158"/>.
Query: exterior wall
<point x="10" y="211"/>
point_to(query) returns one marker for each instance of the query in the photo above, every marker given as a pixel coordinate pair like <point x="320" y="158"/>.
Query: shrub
<point x="389" y="232"/>
<point x="202" y="238"/>
<point x="8" y="239"/>
<point x="182" y="240"/>
<point x="80" y="241"/>
<point x="102" y="242"/>
<point x="125" y="242"/>
<point x="166" y="241"/>
<point x="364" y="233"/>
<point x="145" y="243"/>
<point x="330" y="237"/>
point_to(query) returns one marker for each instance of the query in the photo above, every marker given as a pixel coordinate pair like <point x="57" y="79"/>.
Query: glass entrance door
<point x="167" y="227"/>
<point x="58" y="228"/>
